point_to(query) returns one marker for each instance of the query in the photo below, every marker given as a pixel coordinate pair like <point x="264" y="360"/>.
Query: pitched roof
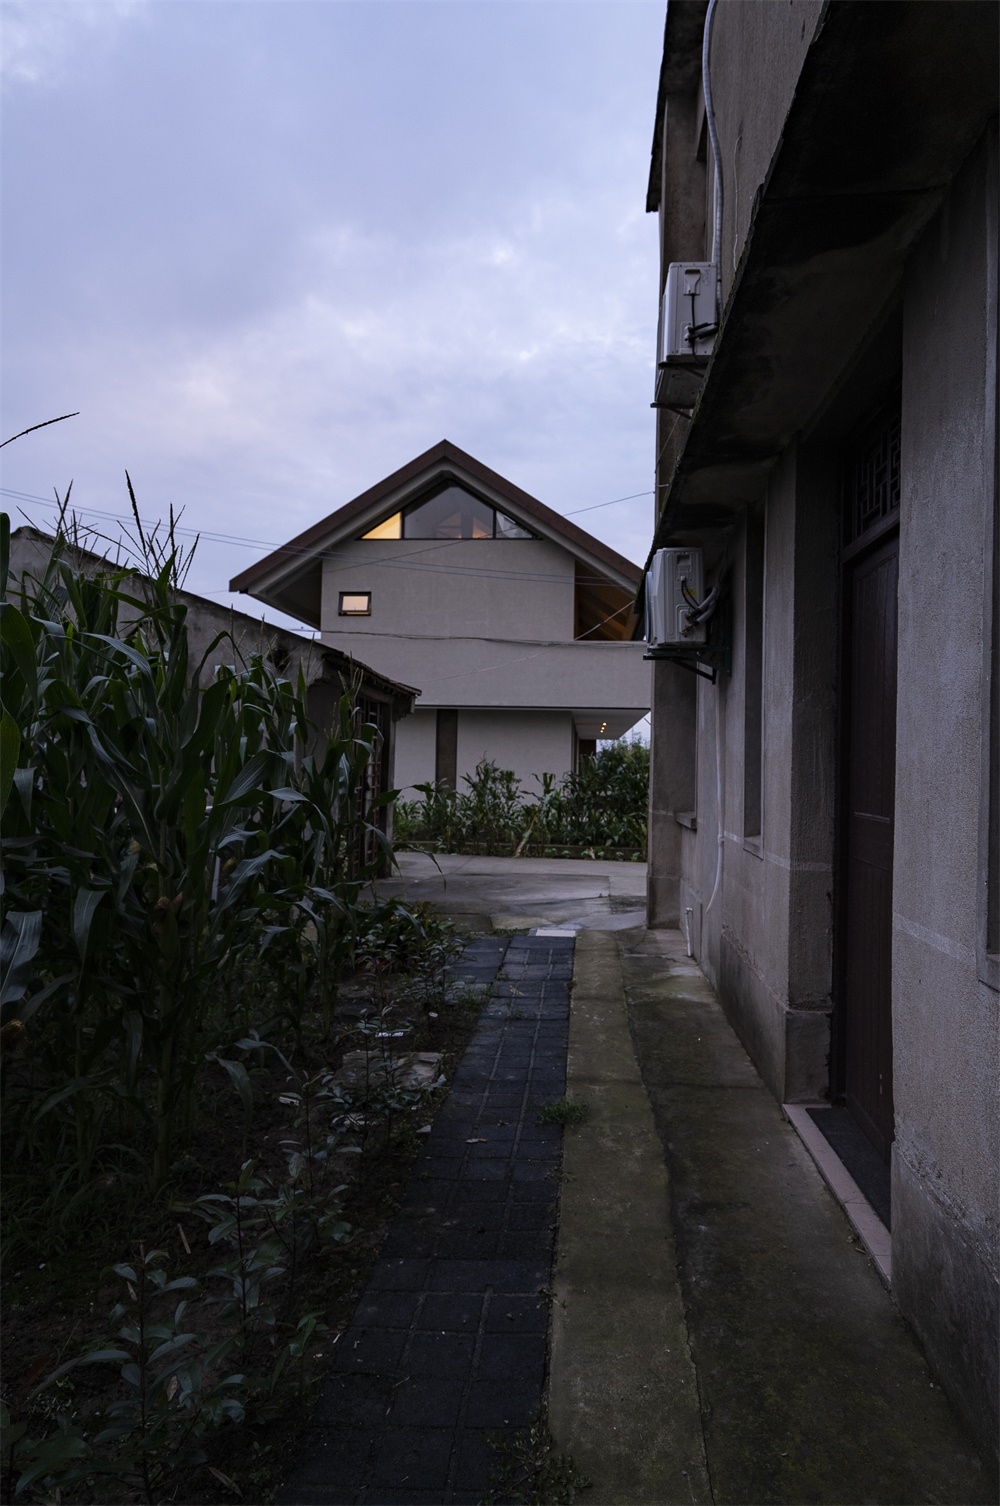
<point x="440" y="459"/>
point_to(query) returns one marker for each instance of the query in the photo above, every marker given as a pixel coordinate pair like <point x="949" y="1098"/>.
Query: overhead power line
<point x="403" y="561"/>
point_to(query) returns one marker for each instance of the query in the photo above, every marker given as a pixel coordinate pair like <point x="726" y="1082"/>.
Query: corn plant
<point x="158" y="839"/>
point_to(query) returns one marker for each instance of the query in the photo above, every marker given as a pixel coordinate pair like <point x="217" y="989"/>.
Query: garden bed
<point x="59" y="1308"/>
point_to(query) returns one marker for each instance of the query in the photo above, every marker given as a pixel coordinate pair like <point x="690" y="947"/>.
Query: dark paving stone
<point x="479" y="1218"/>
<point x="485" y="1171"/>
<point x="533" y="1192"/>
<point x="449" y="1339"/>
<point x="354" y="1401"/>
<point x="428" y="1406"/>
<point x="387" y="1310"/>
<point x="399" y="1275"/>
<point x="434" y="1192"/>
<point x="440" y="1354"/>
<point x="492" y="1150"/>
<point x="403" y="1495"/>
<point x="519" y="1315"/>
<point x="411" y="1241"/>
<point x="501" y="1404"/>
<point x="535" y="1171"/>
<point x="466" y="1244"/>
<point x="375" y="1351"/>
<point x="481" y="1191"/>
<point x="440" y="1168"/>
<point x="520" y="1356"/>
<point x="413" y="1457"/>
<point x="531" y="1216"/>
<point x="333" y="1457"/>
<point x="530" y="1244"/>
<point x="452" y="1312"/>
<point x="476" y="1460"/>
<point x="461" y="1275"/>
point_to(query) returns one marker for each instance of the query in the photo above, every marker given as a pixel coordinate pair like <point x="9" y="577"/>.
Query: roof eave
<point x="830" y="231"/>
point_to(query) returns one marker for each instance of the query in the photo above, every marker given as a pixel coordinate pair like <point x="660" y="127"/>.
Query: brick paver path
<point x="449" y="1341"/>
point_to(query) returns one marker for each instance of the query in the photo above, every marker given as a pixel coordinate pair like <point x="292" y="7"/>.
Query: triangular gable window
<point x="452" y="513"/>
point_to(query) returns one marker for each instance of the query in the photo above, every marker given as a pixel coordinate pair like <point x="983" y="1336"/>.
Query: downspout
<point x="713" y="136"/>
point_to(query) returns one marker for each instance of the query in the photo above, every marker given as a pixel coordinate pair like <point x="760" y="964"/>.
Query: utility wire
<point x="404" y="561"/>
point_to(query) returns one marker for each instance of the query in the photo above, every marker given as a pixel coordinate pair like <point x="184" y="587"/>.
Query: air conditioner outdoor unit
<point x="687" y="315"/>
<point x="686" y="333"/>
<point x="675" y="588"/>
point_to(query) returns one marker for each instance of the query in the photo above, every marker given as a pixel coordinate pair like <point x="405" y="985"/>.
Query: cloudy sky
<point x="271" y="251"/>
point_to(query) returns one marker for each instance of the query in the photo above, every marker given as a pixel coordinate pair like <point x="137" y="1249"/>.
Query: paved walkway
<point x="449" y="1342"/>
<point x="719" y="1334"/>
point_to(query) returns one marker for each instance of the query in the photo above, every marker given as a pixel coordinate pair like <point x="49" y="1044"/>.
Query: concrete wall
<point x="529" y="742"/>
<point x="757" y="55"/>
<point x="487" y="588"/>
<point x="416" y="743"/>
<point x="765" y="938"/>
<point x="672" y="817"/>
<point x="479" y="640"/>
<point x="475" y="672"/>
<point x="946" y="1025"/>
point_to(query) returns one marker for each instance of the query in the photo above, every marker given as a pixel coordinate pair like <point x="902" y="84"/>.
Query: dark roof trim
<point x="439" y="454"/>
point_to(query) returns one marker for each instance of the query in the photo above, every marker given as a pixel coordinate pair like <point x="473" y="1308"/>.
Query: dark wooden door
<point x="870" y="591"/>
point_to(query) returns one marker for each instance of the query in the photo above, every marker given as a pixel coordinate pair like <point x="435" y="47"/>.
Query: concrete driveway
<point x="520" y="894"/>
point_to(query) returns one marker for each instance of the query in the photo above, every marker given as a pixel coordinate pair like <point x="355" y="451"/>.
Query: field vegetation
<point x="217" y="1048"/>
<point x="599" y="811"/>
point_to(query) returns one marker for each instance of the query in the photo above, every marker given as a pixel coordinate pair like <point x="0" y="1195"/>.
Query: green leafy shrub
<point x="602" y="806"/>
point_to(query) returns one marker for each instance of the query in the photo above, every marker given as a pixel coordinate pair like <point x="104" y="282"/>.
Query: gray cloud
<point x="272" y="251"/>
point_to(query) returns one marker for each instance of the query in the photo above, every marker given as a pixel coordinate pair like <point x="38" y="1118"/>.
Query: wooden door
<point x="862" y="1066"/>
<point x="870" y="602"/>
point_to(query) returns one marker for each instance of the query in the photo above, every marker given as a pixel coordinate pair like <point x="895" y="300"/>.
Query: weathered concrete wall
<point x="671" y="788"/>
<point x="765" y="940"/>
<point x="946" y="1163"/>
<point x="757" y="54"/>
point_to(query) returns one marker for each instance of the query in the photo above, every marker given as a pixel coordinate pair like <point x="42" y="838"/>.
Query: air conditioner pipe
<point x="713" y="136"/>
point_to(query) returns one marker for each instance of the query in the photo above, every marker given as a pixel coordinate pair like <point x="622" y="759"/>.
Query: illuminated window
<point x="389" y="528"/>
<point x="452" y="513"/>
<point x="355" y="603"/>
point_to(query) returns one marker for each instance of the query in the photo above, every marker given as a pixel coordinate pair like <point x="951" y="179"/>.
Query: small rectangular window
<point x="355" y="604"/>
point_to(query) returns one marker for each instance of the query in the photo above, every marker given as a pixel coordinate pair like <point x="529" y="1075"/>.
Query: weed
<point x="566" y="1111"/>
<point x="531" y="1472"/>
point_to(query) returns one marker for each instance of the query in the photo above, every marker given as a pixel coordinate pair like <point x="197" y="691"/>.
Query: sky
<point x="271" y="250"/>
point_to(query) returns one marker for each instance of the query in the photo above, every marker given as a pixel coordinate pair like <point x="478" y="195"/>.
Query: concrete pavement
<point x="719" y="1333"/>
<point x="519" y="894"/>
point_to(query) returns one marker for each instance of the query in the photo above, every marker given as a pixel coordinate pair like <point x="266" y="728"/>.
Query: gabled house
<point x="825" y="795"/>
<point x="517" y="625"/>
